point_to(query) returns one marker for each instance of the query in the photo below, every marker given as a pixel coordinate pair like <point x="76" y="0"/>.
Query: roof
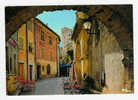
<point x="48" y="28"/>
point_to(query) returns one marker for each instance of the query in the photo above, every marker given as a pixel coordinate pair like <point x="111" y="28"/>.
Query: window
<point x="42" y="36"/>
<point x="51" y="55"/>
<point x="10" y="64"/>
<point x="42" y="53"/>
<point x="50" y="41"/>
<point x="7" y="60"/>
<point x="30" y="71"/>
<point x="43" y="68"/>
<point x="15" y="63"/>
<point x="30" y="47"/>
<point x="29" y="25"/>
<point x="21" y="42"/>
<point x="48" y="69"/>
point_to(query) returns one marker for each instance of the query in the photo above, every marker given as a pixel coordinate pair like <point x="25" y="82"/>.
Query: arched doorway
<point x="48" y="69"/>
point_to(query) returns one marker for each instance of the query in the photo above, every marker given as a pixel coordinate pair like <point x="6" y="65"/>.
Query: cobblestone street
<point x="53" y="86"/>
<point x="49" y="86"/>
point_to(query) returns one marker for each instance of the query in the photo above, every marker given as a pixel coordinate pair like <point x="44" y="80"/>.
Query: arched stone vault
<point x="118" y="18"/>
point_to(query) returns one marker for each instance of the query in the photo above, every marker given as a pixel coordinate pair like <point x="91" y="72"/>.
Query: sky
<point x="56" y="20"/>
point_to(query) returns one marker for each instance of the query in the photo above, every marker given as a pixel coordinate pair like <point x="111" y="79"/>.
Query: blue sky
<point x="56" y="20"/>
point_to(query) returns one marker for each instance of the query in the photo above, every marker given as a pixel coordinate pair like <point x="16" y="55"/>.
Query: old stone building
<point x="31" y="49"/>
<point x="66" y="40"/>
<point x="47" y="50"/>
<point x="98" y="55"/>
<point x="26" y="51"/>
<point x="22" y="52"/>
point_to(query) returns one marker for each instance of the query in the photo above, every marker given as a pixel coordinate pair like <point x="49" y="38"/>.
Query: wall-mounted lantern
<point x="87" y="26"/>
<point x="91" y="25"/>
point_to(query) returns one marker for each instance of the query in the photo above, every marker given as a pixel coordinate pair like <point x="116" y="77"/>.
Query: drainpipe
<point x="17" y="57"/>
<point x="74" y="61"/>
<point x="57" y="57"/>
<point x="82" y="60"/>
<point x="35" y="48"/>
<point x="27" y="51"/>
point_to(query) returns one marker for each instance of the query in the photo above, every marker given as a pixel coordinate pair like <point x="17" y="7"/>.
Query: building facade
<point x="11" y="55"/>
<point x="47" y="50"/>
<point x="22" y="52"/>
<point x="26" y="51"/>
<point x="31" y="49"/>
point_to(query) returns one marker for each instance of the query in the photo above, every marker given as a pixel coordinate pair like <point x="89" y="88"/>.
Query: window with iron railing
<point x="29" y="25"/>
<point x="30" y="47"/>
<point x="42" y="36"/>
<point x="50" y="40"/>
<point x="42" y="53"/>
<point x="21" y="43"/>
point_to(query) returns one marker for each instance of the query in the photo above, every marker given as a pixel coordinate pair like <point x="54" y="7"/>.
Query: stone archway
<point x="118" y="18"/>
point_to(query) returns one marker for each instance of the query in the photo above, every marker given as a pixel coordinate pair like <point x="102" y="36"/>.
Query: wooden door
<point x="30" y="71"/>
<point x="48" y="69"/>
<point x="21" y="71"/>
<point x="38" y="71"/>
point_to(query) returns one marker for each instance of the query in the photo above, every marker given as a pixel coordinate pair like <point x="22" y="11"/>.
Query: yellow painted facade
<point x="26" y="50"/>
<point x="31" y="49"/>
<point x="81" y="58"/>
<point x="22" y="49"/>
<point x="44" y="65"/>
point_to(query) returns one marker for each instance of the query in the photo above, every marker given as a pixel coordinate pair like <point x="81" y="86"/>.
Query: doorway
<point x="30" y="72"/>
<point x="38" y="71"/>
<point x="21" y="70"/>
<point x="48" y="69"/>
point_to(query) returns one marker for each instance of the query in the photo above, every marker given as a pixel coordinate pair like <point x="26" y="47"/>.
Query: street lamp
<point x="91" y="25"/>
<point x="87" y="26"/>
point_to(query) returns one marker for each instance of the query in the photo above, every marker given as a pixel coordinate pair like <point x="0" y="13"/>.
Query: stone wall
<point x="107" y="58"/>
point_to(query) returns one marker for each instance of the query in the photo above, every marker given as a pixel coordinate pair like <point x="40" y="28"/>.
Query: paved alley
<point x="51" y="86"/>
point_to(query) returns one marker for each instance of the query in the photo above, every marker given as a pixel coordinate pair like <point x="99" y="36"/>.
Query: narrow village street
<point x="50" y="86"/>
<point x="82" y="52"/>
